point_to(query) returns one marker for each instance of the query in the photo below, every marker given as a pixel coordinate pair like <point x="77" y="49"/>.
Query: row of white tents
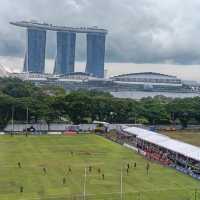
<point x="165" y="142"/>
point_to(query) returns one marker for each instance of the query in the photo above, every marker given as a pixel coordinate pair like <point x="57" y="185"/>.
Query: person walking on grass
<point x="99" y="170"/>
<point x="21" y="189"/>
<point x="64" y="181"/>
<point x="127" y="171"/>
<point x="103" y="176"/>
<point x="19" y="165"/>
<point x="147" y="168"/>
<point x="69" y="170"/>
<point x="90" y="169"/>
<point x="44" y="170"/>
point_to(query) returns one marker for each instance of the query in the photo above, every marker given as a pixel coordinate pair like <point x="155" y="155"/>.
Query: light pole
<point x="13" y="110"/>
<point x="195" y="194"/>
<point x="26" y="120"/>
<point x="121" y="184"/>
<point x="84" y="187"/>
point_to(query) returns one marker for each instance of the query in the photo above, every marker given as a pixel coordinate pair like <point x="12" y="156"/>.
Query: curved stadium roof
<point x="144" y="73"/>
<point x="179" y="147"/>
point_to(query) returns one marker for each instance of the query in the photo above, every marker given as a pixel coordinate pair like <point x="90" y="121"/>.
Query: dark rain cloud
<point x="141" y="31"/>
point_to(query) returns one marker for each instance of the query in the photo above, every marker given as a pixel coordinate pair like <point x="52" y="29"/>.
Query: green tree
<point x="77" y="106"/>
<point x="182" y="109"/>
<point x="154" y="110"/>
<point x="6" y="105"/>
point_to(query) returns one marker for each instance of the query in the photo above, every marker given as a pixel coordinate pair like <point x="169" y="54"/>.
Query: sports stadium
<point x="149" y="80"/>
<point x="181" y="156"/>
<point x="127" y="163"/>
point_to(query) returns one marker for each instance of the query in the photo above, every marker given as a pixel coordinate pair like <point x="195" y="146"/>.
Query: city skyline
<point x="35" y="51"/>
<point x="147" y="31"/>
<point x="186" y="72"/>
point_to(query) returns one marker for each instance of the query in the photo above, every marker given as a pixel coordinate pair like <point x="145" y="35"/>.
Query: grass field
<point x="191" y="137"/>
<point x="54" y="153"/>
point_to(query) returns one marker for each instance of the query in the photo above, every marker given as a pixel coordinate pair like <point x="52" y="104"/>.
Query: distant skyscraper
<point x="95" y="54"/>
<point x="66" y="38"/>
<point x="35" y="51"/>
<point x="65" y="57"/>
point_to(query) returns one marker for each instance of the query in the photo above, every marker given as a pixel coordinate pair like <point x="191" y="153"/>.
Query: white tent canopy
<point x="182" y="148"/>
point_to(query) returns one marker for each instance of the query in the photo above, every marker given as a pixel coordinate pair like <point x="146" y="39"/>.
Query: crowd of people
<point x="153" y="153"/>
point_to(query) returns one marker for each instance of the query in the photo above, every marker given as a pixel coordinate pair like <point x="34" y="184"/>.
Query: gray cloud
<point x="140" y="31"/>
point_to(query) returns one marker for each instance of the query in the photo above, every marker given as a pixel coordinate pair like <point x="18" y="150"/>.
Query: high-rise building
<point x="65" y="57"/>
<point x="35" y="51"/>
<point x="95" y="54"/>
<point x="66" y="38"/>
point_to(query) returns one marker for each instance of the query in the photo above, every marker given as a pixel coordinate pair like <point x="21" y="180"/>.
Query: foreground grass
<point x="191" y="137"/>
<point x="54" y="153"/>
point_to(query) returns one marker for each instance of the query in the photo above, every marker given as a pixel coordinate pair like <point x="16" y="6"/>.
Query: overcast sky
<point x="140" y="31"/>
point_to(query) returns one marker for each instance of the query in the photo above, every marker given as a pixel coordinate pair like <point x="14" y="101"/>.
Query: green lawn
<point x="53" y="153"/>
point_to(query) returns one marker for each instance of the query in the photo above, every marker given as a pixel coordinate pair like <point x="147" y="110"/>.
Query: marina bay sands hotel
<point x="65" y="55"/>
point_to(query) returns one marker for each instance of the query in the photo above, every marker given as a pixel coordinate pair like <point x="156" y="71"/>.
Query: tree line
<point x="53" y="104"/>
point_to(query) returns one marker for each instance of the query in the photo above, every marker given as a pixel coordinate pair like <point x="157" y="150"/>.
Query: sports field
<point x="58" y="154"/>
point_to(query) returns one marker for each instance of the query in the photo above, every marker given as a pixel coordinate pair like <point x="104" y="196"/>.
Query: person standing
<point x="21" y="189"/>
<point x="147" y="168"/>
<point x="64" y="181"/>
<point x="103" y="177"/>
<point x="44" y="170"/>
<point x="69" y="170"/>
<point x="127" y="171"/>
<point x="19" y="165"/>
<point x="90" y="169"/>
<point x="99" y="170"/>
